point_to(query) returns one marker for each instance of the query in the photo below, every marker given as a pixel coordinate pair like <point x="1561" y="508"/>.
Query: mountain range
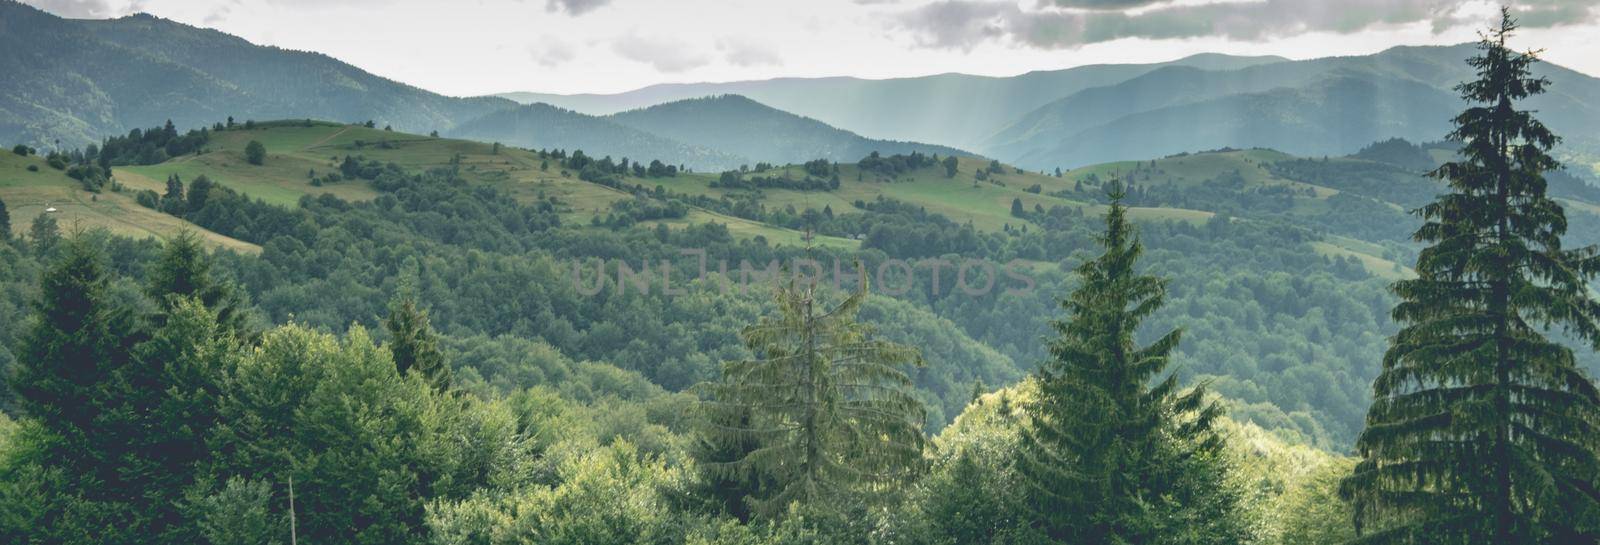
<point x="1090" y="114"/>
<point x="75" y="81"/>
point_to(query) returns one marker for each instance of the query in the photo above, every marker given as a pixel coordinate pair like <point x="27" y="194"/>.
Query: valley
<point x="253" y="294"/>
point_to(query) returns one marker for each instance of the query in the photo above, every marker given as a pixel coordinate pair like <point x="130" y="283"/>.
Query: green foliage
<point x="44" y="233"/>
<point x="414" y="344"/>
<point x="1106" y="457"/>
<point x="72" y="380"/>
<point x="1313" y="512"/>
<point x="1484" y="429"/>
<point x="240" y="513"/>
<point x="185" y="271"/>
<point x="822" y="409"/>
<point x="255" y="153"/>
<point x="5" y="222"/>
<point x="366" y="447"/>
<point x="971" y="494"/>
<point x="606" y="495"/>
<point x="168" y="397"/>
<point x="68" y="361"/>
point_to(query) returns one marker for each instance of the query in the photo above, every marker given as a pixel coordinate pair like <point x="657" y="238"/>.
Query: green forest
<point x="301" y="331"/>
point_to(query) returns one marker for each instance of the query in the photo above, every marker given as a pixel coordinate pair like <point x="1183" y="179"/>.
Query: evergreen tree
<point x="824" y="404"/>
<point x="722" y="481"/>
<point x="184" y="271"/>
<point x="414" y="344"/>
<point x="255" y="153"/>
<point x="44" y="233"/>
<point x="168" y="402"/>
<point x="172" y="201"/>
<point x="5" y="222"/>
<point x="1107" y="457"/>
<point x="1484" y="430"/>
<point x="199" y="193"/>
<point x="67" y="360"/>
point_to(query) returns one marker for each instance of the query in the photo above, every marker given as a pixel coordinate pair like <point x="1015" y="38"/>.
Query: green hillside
<point x="1254" y="234"/>
<point x="79" y="80"/>
<point x="546" y="126"/>
<point x="747" y="128"/>
<point x="877" y="211"/>
<point x="29" y="187"/>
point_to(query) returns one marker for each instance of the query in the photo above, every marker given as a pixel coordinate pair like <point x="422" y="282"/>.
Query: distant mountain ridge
<point x="947" y="109"/>
<point x="542" y="126"/>
<point x="78" y="80"/>
<point x="1326" y="106"/>
<point x="75" y="81"/>
<point x="741" y="126"/>
<point x="1098" y="113"/>
<point x="1340" y="112"/>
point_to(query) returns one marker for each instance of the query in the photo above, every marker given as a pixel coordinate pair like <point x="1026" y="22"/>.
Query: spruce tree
<point x="1106" y="456"/>
<point x="67" y="361"/>
<point x="5" y="222"/>
<point x="1483" y="429"/>
<point x="168" y="408"/>
<point x="824" y="404"/>
<point x="44" y="234"/>
<point x="414" y="344"/>
<point x="184" y="271"/>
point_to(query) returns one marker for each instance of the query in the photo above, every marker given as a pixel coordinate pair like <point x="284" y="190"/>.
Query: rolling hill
<point x="1287" y="247"/>
<point x="1326" y="106"/>
<point x="1334" y="115"/>
<point x="950" y="109"/>
<point x="78" y="80"/>
<point x="540" y="126"/>
<point x="1093" y="114"/>
<point x="30" y="192"/>
<point x="741" y="126"/>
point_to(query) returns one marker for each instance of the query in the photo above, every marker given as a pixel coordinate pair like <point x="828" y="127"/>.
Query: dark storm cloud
<point x="964" y="23"/>
<point x="575" y="7"/>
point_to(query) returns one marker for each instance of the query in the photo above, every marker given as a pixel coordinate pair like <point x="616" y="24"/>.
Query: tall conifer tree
<point x="5" y="222"/>
<point x="67" y="367"/>
<point x="184" y="271"/>
<point x="1484" y="430"/>
<point x="168" y="409"/>
<point x="1107" y="456"/>
<point x="414" y="343"/>
<point x="825" y="405"/>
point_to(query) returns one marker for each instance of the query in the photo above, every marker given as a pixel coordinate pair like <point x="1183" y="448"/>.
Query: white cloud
<point x="79" y="9"/>
<point x="741" y="51"/>
<point x="551" y="52"/>
<point x="962" y="24"/>
<point x="667" y="55"/>
<point x="575" y="7"/>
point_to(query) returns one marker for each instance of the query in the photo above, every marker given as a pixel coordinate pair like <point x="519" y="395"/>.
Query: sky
<point x="477" y="47"/>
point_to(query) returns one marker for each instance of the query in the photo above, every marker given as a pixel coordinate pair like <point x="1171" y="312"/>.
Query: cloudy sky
<point x="471" y="47"/>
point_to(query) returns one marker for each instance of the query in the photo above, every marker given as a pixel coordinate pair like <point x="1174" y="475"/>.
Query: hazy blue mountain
<point x="744" y="127"/>
<point x="1323" y="106"/>
<point x="540" y="126"/>
<point x="77" y="80"/>
<point x="949" y="109"/>
<point x="1339" y="112"/>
